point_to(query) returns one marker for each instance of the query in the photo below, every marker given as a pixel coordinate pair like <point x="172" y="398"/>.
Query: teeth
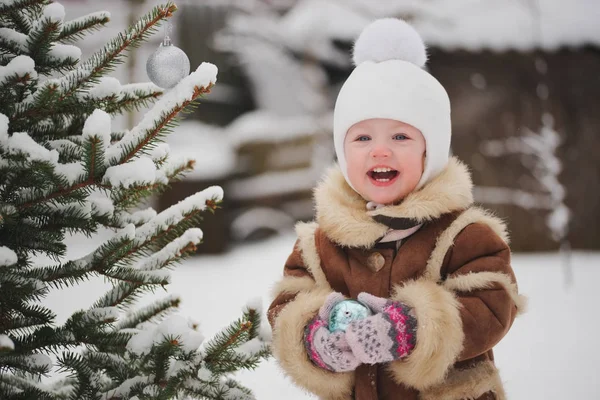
<point x="382" y="169"/>
<point x="382" y="180"/>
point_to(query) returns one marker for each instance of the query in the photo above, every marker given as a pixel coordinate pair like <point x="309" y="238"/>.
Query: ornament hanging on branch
<point x="168" y="64"/>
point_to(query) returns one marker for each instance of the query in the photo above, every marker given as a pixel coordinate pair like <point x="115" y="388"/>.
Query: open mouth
<point x="382" y="174"/>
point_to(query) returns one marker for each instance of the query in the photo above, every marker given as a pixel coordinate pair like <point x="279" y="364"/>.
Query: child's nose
<point x="380" y="151"/>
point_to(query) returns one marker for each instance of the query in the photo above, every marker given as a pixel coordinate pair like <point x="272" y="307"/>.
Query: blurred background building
<point x="523" y="77"/>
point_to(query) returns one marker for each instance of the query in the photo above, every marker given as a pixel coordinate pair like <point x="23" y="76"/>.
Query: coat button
<point x="376" y="261"/>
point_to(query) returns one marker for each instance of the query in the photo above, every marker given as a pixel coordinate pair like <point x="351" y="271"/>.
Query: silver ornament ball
<point x="167" y="65"/>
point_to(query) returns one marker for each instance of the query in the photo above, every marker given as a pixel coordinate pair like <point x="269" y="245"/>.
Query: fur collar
<point x="342" y="214"/>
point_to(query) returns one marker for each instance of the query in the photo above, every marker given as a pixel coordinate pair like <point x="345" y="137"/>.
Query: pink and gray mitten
<point x="328" y="350"/>
<point x="388" y="335"/>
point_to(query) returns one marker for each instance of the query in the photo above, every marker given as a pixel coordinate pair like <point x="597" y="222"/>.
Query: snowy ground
<point x="550" y="353"/>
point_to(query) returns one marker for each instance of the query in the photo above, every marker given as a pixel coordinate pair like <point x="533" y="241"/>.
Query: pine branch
<point x="153" y="312"/>
<point x="223" y="342"/>
<point x="79" y="27"/>
<point x="19" y="21"/>
<point x="40" y="41"/>
<point x="74" y="271"/>
<point x="165" y="119"/>
<point x="20" y="5"/>
<point x="18" y="388"/>
<point x="104" y="60"/>
<point x="98" y="64"/>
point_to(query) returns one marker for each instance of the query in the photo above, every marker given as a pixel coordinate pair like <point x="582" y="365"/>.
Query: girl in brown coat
<point x="396" y="229"/>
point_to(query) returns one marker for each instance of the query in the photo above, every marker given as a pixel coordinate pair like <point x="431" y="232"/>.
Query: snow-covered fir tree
<point x="63" y="171"/>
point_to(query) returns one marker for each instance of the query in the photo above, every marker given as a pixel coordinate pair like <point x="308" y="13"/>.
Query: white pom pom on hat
<point x="389" y="39"/>
<point x="389" y="82"/>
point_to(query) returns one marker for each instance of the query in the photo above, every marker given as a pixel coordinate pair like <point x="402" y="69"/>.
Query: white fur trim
<point x="485" y="280"/>
<point x="389" y="39"/>
<point x="446" y="239"/>
<point x="469" y="383"/>
<point x="310" y="255"/>
<point x="289" y="351"/>
<point x="343" y="217"/>
<point x="292" y="285"/>
<point x="438" y="313"/>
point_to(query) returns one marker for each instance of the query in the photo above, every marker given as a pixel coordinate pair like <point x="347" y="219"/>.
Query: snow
<point x="107" y="86"/>
<point x="137" y="217"/>
<point x="20" y="66"/>
<point x="171" y="250"/>
<point x="100" y="203"/>
<point x="98" y="124"/>
<point x="137" y="172"/>
<point x="60" y="52"/>
<point x="101" y="314"/>
<point x="7" y="256"/>
<point x="159" y="152"/>
<point x="39" y="361"/>
<point x="3" y="129"/>
<point x="6" y="343"/>
<point x="13" y="36"/>
<point x="72" y="171"/>
<point x="251" y="348"/>
<point x="21" y="142"/>
<point x="124" y="389"/>
<point x="55" y="12"/>
<point x="146" y="87"/>
<point x="176" y="212"/>
<point x="255" y="304"/>
<point x="174" y="327"/>
<point x="83" y="19"/>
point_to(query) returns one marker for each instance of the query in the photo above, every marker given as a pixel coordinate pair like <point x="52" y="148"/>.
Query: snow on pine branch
<point x="172" y="250"/>
<point x="137" y="217"/>
<point x="61" y="52"/>
<point x="137" y="172"/>
<point x="98" y="125"/>
<point x="163" y="111"/>
<point x="7" y="256"/>
<point x="19" y="66"/>
<point x="123" y="390"/>
<point x="74" y="28"/>
<point x="6" y="343"/>
<point x="101" y="314"/>
<point x="177" y="212"/>
<point x="18" y="40"/>
<point x="175" y="327"/>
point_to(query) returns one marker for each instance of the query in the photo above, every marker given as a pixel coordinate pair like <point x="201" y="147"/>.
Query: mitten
<point x="388" y="335"/>
<point x="328" y="350"/>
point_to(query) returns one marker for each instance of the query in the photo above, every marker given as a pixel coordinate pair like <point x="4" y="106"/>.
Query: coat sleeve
<point x="464" y="314"/>
<point x="297" y="299"/>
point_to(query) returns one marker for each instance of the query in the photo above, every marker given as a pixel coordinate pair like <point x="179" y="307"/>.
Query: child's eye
<point x="363" y="138"/>
<point x="400" y="136"/>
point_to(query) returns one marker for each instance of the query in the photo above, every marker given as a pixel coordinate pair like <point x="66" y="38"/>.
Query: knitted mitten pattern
<point x="388" y="335"/>
<point x="328" y="350"/>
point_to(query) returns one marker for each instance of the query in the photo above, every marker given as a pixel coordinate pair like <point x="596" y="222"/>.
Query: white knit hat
<point x="389" y="82"/>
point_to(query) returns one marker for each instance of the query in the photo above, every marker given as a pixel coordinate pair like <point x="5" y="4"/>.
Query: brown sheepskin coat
<point x="455" y="272"/>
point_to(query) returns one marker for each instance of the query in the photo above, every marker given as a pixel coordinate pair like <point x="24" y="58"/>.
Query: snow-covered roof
<point x="450" y="24"/>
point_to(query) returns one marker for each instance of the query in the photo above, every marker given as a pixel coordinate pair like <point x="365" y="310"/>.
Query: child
<point x="396" y="229"/>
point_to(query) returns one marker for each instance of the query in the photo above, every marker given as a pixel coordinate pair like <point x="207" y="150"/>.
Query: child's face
<point x="385" y="159"/>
